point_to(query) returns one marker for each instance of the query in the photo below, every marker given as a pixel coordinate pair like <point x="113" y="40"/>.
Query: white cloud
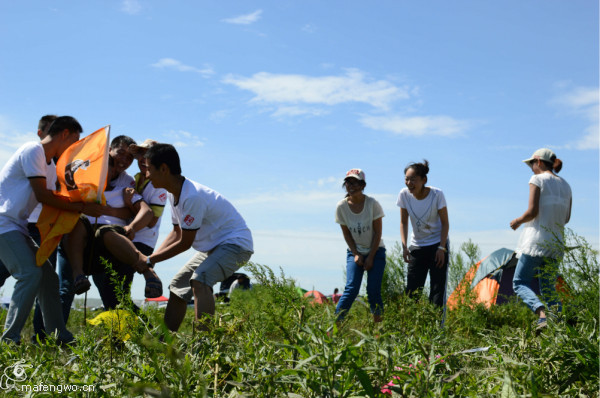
<point x="284" y="111"/>
<point x="325" y="90"/>
<point x="131" y="7"/>
<point x="583" y="102"/>
<point x="416" y="126"/>
<point x="170" y="63"/>
<point x="309" y="28"/>
<point x="245" y="19"/>
<point x="182" y="139"/>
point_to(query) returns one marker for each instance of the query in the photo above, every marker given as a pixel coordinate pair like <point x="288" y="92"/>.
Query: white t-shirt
<point x="114" y="199"/>
<point x="51" y="185"/>
<point x="360" y="224"/>
<point x="156" y="198"/>
<point x="423" y="214"/>
<point x="213" y="217"/>
<point x="539" y="236"/>
<point x="17" y="199"/>
<point x="122" y="180"/>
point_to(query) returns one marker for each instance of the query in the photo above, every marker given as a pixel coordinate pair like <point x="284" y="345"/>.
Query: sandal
<point x="82" y="284"/>
<point x="153" y="288"/>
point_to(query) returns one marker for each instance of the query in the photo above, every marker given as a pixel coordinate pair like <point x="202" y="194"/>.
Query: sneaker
<point x="540" y="325"/>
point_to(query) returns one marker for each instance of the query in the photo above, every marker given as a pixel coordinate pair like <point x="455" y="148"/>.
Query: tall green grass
<point x="270" y="342"/>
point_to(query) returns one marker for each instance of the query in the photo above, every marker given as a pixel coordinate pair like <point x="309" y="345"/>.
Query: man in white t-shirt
<point x="202" y="219"/>
<point x="22" y="185"/>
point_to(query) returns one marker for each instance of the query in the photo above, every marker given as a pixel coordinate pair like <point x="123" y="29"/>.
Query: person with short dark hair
<point x="541" y="243"/>
<point x="22" y="185"/>
<point x="360" y="217"/>
<point x="425" y="207"/>
<point x="202" y="219"/>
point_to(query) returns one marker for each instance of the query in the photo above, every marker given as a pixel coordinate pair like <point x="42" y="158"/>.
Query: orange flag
<point x="81" y="170"/>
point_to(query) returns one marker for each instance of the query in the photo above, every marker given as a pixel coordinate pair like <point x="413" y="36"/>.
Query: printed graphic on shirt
<point x="163" y="197"/>
<point x="360" y="229"/>
<point x="188" y="220"/>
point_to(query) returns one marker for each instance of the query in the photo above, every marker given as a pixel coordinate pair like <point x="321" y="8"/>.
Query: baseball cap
<point x="134" y="149"/>
<point x="355" y="173"/>
<point x="544" y="154"/>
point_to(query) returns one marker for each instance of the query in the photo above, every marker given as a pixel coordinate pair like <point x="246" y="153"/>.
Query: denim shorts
<point x="208" y="268"/>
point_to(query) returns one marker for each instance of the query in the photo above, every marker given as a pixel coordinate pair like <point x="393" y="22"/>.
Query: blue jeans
<point x="65" y="282"/>
<point x="546" y="271"/>
<point x="17" y="252"/>
<point x="354" y="276"/>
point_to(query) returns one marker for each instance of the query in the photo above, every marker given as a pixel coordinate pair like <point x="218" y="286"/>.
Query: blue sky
<point x="270" y="103"/>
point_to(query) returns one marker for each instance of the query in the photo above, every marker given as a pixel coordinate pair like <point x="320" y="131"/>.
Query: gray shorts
<point x="208" y="268"/>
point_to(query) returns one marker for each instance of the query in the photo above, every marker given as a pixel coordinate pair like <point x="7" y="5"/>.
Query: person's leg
<point x="204" y="302"/>
<point x="526" y="268"/>
<point x="17" y="252"/>
<point x="416" y="272"/>
<point x="175" y="312"/>
<point x="221" y="263"/>
<point x="4" y="274"/>
<point x="122" y="248"/>
<point x="74" y="243"/>
<point x="38" y="320"/>
<point x="437" y="278"/>
<point x="181" y="292"/>
<point x="374" y="280"/>
<point x="354" y="275"/>
<point x="49" y="300"/>
<point x="65" y="279"/>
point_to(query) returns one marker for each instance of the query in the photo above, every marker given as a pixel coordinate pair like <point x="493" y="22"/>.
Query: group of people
<point x="124" y="233"/>
<point x="427" y="252"/>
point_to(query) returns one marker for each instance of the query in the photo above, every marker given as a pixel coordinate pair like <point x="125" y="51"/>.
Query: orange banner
<point x="82" y="172"/>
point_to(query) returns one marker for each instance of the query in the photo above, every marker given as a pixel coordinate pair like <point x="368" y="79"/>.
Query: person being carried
<point x="202" y="219"/>
<point x="108" y="236"/>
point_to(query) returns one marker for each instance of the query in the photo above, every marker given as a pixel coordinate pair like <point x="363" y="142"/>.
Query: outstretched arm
<point x="532" y="209"/>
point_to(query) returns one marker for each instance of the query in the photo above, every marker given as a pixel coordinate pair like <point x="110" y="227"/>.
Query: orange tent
<point x="317" y="297"/>
<point x="490" y="281"/>
<point x="81" y="170"/>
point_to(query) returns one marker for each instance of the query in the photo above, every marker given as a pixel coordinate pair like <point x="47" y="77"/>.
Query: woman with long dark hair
<point x="425" y="207"/>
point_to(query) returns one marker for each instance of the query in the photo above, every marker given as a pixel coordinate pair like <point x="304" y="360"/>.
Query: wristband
<point x="443" y="249"/>
<point x="148" y="262"/>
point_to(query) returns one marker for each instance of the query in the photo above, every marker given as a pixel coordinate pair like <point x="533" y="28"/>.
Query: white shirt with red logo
<point x="213" y="217"/>
<point x="155" y="197"/>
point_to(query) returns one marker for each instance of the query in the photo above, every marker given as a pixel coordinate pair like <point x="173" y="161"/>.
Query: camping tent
<point x="491" y="280"/>
<point x="317" y="297"/>
<point x="158" y="301"/>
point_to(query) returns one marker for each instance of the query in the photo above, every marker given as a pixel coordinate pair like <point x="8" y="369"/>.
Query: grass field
<point x="269" y="342"/>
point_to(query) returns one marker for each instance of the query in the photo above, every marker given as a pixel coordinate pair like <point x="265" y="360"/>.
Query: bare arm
<point x="404" y="234"/>
<point x="178" y="241"/>
<point x="377" y="231"/>
<point x="440" y="254"/>
<point x="142" y="217"/>
<point x="45" y="196"/>
<point x="358" y="258"/>
<point x="532" y="209"/>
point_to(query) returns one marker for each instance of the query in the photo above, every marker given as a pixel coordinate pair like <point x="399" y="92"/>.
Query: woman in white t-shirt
<point x="541" y="242"/>
<point x="427" y="253"/>
<point x="360" y="217"/>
